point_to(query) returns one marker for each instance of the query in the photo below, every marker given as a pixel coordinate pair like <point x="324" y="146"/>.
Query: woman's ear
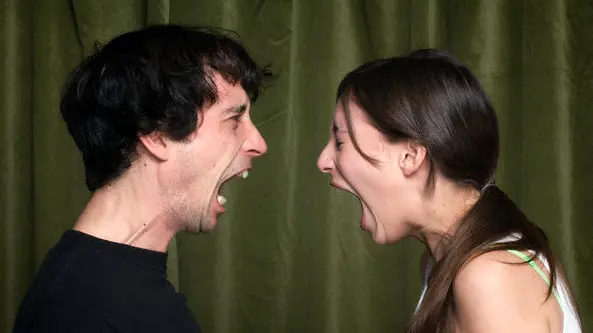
<point x="411" y="157"/>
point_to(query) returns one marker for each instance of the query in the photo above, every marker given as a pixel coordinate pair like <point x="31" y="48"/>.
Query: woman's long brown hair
<point x="431" y="98"/>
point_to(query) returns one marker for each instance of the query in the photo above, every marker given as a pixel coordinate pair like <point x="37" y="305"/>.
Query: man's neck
<point x="127" y="214"/>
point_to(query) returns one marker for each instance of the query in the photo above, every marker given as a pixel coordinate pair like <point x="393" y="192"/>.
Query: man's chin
<point x="207" y="225"/>
<point x="199" y="227"/>
<point x="205" y="229"/>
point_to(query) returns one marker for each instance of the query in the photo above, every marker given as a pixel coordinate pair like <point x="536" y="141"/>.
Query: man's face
<point x="220" y="149"/>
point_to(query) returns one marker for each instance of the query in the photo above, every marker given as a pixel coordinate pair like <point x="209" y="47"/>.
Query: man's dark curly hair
<point x="153" y="79"/>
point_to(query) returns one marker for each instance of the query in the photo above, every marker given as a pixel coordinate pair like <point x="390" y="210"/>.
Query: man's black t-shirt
<point x="87" y="284"/>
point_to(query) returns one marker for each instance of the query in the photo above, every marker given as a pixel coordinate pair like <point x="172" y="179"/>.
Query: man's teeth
<point x="221" y="200"/>
<point x="243" y="174"/>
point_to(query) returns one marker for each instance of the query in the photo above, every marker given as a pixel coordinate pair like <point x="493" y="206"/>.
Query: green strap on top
<point x="539" y="271"/>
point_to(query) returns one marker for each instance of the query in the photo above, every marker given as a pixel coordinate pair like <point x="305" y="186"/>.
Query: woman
<point x="415" y="138"/>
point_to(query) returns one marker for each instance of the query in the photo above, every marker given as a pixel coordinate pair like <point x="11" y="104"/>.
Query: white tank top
<point x="571" y="321"/>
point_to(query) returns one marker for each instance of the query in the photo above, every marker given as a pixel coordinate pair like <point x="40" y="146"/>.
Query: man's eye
<point x="236" y="121"/>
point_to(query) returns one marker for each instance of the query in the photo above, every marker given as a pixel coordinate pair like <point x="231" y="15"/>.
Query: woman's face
<point x="383" y="190"/>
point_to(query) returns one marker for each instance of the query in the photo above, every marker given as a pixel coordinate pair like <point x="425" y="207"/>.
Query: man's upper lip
<point x="237" y="173"/>
<point x="246" y="169"/>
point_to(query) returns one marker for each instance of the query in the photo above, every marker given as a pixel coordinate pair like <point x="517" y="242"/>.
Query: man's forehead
<point x="231" y="93"/>
<point x="225" y="87"/>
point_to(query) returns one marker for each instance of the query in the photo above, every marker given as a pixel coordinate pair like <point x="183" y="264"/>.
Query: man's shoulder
<point x="75" y="282"/>
<point x="109" y="314"/>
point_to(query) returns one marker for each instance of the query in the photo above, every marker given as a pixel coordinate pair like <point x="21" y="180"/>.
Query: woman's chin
<point x="393" y="236"/>
<point x="379" y="238"/>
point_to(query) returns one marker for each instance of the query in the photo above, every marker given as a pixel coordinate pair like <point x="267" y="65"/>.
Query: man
<point x="161" y="118"/>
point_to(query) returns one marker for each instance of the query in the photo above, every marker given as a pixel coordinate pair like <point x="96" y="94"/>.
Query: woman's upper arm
<point x="492" y="295"/>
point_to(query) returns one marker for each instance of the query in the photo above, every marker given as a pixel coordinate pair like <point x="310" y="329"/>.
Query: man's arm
<point x="492" y="295"/>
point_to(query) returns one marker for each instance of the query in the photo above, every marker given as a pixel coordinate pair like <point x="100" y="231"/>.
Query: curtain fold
<point x="16" y="162"/>
<point x="288" y="256"/>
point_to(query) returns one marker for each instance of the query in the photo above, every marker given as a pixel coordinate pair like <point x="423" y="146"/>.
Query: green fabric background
<point x="289" y="255"/>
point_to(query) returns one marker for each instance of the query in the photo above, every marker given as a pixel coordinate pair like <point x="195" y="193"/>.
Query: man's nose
<point x="256" y="145"/>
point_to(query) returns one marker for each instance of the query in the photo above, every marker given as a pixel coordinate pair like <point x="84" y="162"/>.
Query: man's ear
<point x="157" y="144"/>
<point x="412" y="157"/>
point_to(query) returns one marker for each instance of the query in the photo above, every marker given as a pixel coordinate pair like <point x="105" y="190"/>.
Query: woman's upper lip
<point x="337" y="186"/>
<point x="345" y="189"/>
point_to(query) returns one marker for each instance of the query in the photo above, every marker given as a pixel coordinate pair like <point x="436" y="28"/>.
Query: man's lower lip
<point x="218" y="208"/>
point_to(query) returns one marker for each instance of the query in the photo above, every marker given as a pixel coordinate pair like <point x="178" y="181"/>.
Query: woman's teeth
<point x="243" y="174"/>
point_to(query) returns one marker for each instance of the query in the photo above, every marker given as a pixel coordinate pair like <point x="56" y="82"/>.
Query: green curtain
<point x="288" y="256"/>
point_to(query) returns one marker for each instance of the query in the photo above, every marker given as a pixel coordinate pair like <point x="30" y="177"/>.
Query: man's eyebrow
<point x="238" y="109"/>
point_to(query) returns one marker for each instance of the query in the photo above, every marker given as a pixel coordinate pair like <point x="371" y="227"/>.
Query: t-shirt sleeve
<point x="65" y="319"/>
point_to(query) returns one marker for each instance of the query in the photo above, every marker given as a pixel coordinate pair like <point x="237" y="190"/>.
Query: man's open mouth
<point x="220" y="198"/>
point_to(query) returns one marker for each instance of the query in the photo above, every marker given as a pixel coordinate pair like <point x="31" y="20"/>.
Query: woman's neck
<point x="441" y="215"/>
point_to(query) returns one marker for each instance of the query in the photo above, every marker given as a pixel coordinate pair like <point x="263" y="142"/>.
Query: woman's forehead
<point x="349" y="109"/>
